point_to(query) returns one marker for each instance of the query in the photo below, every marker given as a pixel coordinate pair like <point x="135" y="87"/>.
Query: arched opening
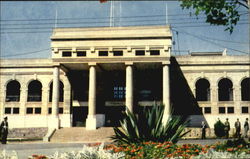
<point x="13" y="91"/>
<point x="61" y="93"/>
<point x="225" y="90"/>
<point x="245" y="89"/>
<point x="35" y="91"/>
<point x="202" y="90"/>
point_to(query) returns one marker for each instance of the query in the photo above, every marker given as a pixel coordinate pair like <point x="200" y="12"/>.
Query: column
<point x="129" y="88"/>
<point x="237" y="99"/>
<point x="91" y="122"/>
<point x="166" y="93"/>
<point x="55" y="99"/>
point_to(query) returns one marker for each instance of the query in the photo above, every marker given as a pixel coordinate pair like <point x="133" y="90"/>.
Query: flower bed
<point x="149" y="150"/>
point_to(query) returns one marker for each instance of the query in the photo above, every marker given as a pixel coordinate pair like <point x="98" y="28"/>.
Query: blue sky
<point x="26" y="26"/>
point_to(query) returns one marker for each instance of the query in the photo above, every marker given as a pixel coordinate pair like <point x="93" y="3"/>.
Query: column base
<point x="91" y="122"/>
<point x="54" y="123"/>
<point x="165" y="118"/>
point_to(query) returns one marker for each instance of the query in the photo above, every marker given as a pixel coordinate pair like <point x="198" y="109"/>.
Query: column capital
<point x="92" y="63"/>
<point x="165" y="63"/>
<point x="129" y="63"/>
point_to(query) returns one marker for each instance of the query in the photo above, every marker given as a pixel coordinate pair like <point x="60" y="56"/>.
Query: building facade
<point x="96" y="73"/>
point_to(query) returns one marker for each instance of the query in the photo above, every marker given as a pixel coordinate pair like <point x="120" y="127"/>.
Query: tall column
<point x="129" y="88"/>
<point x="55" y="99"/>
<point x="166" y="92"/>
<point x="91" y="122"/>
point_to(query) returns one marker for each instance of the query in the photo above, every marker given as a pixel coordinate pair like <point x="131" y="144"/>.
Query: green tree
<point x="218" y="12"/>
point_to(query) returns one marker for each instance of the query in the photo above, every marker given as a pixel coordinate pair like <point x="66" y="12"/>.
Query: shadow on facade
<point x="183" y="101"/>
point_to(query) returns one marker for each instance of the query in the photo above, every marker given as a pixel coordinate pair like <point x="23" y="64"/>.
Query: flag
<point x="103" y="1"/>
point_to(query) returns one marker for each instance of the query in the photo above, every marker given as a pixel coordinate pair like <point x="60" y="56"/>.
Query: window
<point x="60" y="110"/>
<point x="13" y="91"/>
<point x="35" y="91"/>
<point x="119" y="92"/>
<point x="154" y="52"/>
<point x="29" y="110"/>
<point x="244" y="110"/>
<point x="140" y="52"/>
<point x="202" y="90"/>
<point x="7" y="110"/>
<point x="225" y="90"/>
<point x="49" y="110"/>
<point x="118" y="53"/>
<point x="15" y="110"/>
<point x="230" y="110"/>
<point x="207" y="110"/>
<point x="66" y="54"/>
<point x="61" y="92"/>
<point x="81" y="53"/>
<point x="222" y="110"/>
<point x="245" y="90"/>
<point x="37" y="110"/>
<point x="103" y="53"/>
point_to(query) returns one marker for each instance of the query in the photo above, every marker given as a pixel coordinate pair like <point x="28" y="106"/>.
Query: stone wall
<point x="196" y="133"/>
<point x="27" y="133"/>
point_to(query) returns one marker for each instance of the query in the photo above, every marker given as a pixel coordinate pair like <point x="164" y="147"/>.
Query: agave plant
<point x="148" y="126"/>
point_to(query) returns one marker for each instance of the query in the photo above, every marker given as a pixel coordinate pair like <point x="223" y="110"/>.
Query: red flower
<point x="103" y="1"/>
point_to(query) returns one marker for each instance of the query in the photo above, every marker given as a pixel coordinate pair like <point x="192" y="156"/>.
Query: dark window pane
<point x="244" y="110"/>
<point x="81" y="53"/>
<point x="222" y="110"/>
<point x="37" y="110"/>
<point x="202" y="90"/>
<point x="49" y="110"/>
<point x="140" y="52"/>
<point x="245" y="90"/>
<point x="7" y="110"/>
<point x="154" y="52"/>
<point x="103" y="53"/>
<point x="230" y="109"/>
<point x="66" y="54"/>
<point x="225" y="90"/>
<point x="13" y="91"/>
<point x="60" y="110"/>
<point x="118" y="53"/>
<point x="35" y="91"/>
<point x="29" y="110"/>
<point x="207" y="110"/>
<point x="15" y="110"/>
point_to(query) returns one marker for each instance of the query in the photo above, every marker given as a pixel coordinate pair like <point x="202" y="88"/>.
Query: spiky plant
<point x="149" y="127"/>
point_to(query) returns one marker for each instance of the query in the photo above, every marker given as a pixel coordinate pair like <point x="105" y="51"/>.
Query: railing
<point x="34" y="98"/>
<point x="12" y="98"/>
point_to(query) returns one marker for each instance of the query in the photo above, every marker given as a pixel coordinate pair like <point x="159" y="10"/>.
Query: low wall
<point x="196" y="133"/>
<point x="27" y="133"/>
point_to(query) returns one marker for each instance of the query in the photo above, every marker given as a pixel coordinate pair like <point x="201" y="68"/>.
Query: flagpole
<point x="111" y="16"/>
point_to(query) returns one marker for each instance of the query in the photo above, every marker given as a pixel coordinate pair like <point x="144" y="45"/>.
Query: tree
<point x="218" y="12"/>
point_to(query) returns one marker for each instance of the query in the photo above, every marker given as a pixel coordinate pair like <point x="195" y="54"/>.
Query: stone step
<point x="76" y="134"/>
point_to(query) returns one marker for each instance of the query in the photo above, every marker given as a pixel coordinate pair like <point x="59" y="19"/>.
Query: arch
<point x="202" y="90"/>
<point x="13" y="91"/>
<point x="225" y="90"/>
<point x="34" y="91"/>
<point x="245" y="89"/>
<point x="61" y="91"/>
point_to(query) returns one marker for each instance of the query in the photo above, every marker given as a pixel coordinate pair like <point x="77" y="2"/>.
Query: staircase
<point x="81" y="135"/>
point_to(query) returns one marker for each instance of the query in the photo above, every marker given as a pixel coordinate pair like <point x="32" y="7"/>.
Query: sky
<point x="26" y="26"/>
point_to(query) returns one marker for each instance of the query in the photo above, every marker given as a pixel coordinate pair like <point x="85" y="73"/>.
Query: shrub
<point x="97" y="152"/>
<point x="149" y="127"/>
<point x="219" y="154"/>
<point x="8" y="155"/>
<point x="219" y="129"/>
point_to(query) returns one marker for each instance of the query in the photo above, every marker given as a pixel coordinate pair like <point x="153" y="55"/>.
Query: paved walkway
<point x="25" y="149"/>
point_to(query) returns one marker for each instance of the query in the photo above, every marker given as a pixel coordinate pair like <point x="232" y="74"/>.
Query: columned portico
<point x="55" y="99"/>
<point x="91" y="122"/>
<point x="129" y="87"/>
<point x="166" y="92"/>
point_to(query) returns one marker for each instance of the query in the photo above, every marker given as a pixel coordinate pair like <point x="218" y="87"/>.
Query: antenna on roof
<point x="56" y="18"/>
<point x="111" y="17"/>
<point x="166" y="13"/>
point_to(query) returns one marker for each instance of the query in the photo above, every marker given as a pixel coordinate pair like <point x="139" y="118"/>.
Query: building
<point x="96" y="73"/>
